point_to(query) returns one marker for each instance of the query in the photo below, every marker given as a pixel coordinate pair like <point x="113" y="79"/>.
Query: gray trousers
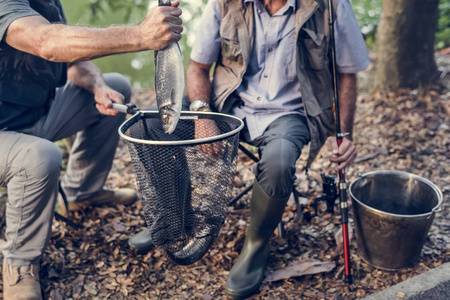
<point x="30" y="165"/>
<point x="279" y="147"/>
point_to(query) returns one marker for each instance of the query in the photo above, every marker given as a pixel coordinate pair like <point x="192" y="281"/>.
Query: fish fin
<point x="179" y="48"/>
<point x="172" y="96"/>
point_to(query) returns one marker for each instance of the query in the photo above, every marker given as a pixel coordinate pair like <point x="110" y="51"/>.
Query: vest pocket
<point x="231" y="52"/>
<point x="313" y="45"/>
<point x="230" y="47"/>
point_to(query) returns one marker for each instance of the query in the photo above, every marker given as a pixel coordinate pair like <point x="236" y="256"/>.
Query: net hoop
<point x="192" y="115"/>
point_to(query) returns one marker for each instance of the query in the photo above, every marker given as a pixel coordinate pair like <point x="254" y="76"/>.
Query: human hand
<point x="205" y="128"/>
<point x="344" y="155"/>
<point x="104" y="97"/>
<point x="161" y="27"/>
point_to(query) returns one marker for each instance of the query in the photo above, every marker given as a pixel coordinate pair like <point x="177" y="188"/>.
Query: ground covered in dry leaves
<point x="406" y="130"/>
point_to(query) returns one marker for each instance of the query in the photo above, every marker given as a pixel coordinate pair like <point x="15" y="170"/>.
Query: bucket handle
<point x="437" y="209"/>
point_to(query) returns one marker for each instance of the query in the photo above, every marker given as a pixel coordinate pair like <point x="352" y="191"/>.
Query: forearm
<point x="198" y="85"/>
<point x="347" y="102"/>
<point x="70" y="43"/>
<point x="64" y="43"/>
<point x="85" y="75"/>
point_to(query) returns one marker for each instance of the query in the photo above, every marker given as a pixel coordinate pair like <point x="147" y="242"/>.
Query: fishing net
<point x="184" y="179"/>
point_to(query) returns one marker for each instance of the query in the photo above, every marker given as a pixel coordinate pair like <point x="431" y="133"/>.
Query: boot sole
<point x="140" y="250"/>
<point x="237" y="295"/>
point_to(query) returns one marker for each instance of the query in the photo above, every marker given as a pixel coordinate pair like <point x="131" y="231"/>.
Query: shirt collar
<point x="290" y="3"/>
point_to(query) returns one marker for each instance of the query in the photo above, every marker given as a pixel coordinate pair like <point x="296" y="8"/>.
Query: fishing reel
<point x="329" y="195"/>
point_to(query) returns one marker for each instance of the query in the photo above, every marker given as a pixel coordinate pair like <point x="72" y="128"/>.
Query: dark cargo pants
<point x="280" y="147"/>
<point x="30" y="164"/>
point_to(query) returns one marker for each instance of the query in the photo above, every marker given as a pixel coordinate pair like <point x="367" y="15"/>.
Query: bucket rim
<point x="184" y="115"/>
<point x="403" y="173"/>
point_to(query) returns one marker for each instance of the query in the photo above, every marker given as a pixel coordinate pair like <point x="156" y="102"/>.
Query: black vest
<point x="28" y="82"/>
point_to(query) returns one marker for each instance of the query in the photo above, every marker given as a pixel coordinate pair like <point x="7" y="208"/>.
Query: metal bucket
<point x="393" y="213"/>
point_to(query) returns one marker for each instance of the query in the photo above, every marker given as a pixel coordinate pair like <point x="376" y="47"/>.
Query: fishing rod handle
<point x="164" y="3"/>
<point x="128" y="108"/>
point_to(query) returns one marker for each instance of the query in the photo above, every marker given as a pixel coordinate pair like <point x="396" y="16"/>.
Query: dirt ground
<point x="407" y="130"/>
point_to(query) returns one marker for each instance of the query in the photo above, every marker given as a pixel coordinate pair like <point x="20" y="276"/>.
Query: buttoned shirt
<point x="270" y="88"/>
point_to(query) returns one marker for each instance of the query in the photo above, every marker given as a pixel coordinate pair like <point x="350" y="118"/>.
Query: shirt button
<point x="265" y="75"/>
<point x="259" y="98"/>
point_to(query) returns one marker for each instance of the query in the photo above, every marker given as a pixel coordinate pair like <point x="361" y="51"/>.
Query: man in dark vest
<point x="272" y="61"/>
<point x="38" y="53"/>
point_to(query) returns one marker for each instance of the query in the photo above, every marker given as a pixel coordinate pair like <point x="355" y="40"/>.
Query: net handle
<point x="189" y="115"/>
<point x="128" y="108"/>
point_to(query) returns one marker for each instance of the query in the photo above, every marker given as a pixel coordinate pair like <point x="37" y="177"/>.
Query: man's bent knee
<point x="43" y="160"/>
<point x="276" y="169"/>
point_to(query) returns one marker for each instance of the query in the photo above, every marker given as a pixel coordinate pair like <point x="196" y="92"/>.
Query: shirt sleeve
<point x="207" y="41"/>
<point x="11" y="10"/>
<point x="351" y="50"/>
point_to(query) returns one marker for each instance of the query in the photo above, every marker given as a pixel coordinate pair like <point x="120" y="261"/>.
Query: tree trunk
<point x="405" y="44"/>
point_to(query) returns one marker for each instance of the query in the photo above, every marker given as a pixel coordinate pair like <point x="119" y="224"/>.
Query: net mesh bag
<point x="184" y="179"/>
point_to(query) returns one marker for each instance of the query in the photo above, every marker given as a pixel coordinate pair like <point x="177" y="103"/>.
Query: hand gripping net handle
<point x="184" y="181"/>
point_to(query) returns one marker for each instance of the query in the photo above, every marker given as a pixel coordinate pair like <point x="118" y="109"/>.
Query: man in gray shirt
<point x="38" y="53"/>
<point x="272" y="69"/>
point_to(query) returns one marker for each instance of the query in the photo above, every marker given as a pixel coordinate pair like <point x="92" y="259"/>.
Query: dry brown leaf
<point x="78" y="286"/>
<point x="103" y="212"/>
<point x="299" y="268"/>
<point x="371" y="155"/>
<point x="56" y="295"/>
<point x="118" y="227"/>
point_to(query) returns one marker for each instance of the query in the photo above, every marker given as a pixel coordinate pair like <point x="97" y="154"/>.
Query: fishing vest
<point x="28" y="82"/>
<point x="312" y="36"/>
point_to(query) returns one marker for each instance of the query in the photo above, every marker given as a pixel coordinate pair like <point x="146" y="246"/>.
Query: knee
<point x="276" y="169"/>
<point x="119" y="83"/>
<point x="43" y="161"/>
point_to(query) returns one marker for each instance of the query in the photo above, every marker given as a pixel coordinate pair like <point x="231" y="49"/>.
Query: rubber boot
<point x="142" y="241"/>
<point x="248" y="272"/>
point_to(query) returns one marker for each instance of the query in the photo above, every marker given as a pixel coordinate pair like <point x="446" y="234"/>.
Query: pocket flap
<point x="315" y="36"/>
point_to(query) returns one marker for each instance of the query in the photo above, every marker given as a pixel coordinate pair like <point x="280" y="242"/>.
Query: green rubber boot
<point x="142" y="241"/>
<point x="248" y="272"/>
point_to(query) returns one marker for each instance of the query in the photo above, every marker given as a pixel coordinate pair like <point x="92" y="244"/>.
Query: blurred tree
<point x="405" y="43"/>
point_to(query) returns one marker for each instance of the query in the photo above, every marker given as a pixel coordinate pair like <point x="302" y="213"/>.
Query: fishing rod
<point x="339" y="137"/>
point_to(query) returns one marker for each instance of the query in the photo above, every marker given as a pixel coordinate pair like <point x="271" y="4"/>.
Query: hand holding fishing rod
<point x="339" y="138"/>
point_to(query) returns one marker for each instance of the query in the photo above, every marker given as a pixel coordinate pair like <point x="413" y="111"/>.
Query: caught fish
<point x="169" y="83"/>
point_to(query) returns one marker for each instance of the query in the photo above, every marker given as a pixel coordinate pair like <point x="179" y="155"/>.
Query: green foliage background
<point x="140" y="66"/>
